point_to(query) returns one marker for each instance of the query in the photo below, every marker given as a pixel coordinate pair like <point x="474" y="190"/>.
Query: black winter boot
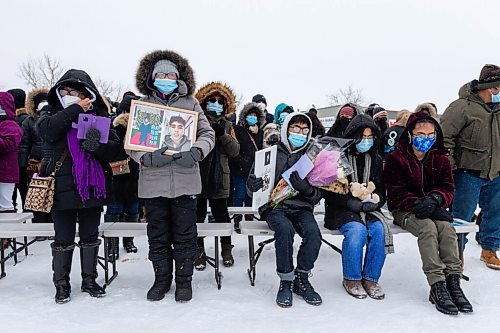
<point x="163" y="280"/>
<point x="183" y="289"/>
<point x="62" y="256"/>
<point x="457" y="294"/>
<point x="113" y="243"/>
<point x="284" y="298"/>
<point x="302" y="287"/>
<point x="88" y="259"/>
<point x="227" y="256"/>
<point x="440" y="297"/>
<point x="128" y="242"/>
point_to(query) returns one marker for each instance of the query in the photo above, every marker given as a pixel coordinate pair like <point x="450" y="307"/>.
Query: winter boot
<point x="163" y="280"/>
<point x="440" y="297"/>
<point x="284" y="298"/>
<point x="457" y="294"/>
<point x="88" y="260"/>
<point x="183" y="289"/>
<point x="62" y="256"/>
<point x="302" y="287"/>
<point x="373" y="289"/>
<point x="227" y="256"/>
<point x="237" y="219"/>
<point x="128" y="242"/>
<point x="113" y="243"/>
<point x="491" y="259"/>
<point x="200" y="263"/>
<point x="354" y="288"/>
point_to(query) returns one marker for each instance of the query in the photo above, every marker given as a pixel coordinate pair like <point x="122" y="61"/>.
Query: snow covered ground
<point x="27" y="297"/>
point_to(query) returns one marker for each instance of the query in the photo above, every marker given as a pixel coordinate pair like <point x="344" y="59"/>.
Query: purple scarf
<point x="87" y="171"/>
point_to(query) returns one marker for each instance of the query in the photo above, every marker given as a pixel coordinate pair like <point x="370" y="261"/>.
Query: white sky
<point x="401" y="53"/>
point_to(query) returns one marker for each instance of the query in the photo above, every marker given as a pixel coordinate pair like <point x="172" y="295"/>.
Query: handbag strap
<point x="60" y="162"/>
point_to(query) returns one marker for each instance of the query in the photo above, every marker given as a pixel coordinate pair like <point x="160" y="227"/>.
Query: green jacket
<point x="471" y="130"/>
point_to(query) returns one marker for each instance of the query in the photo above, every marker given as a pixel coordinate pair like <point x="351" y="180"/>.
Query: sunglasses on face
<point x="216" y="99"/>
<point x="298" y="129"/>
<point x="68" y="91"/>
<point x="171" y="76"/>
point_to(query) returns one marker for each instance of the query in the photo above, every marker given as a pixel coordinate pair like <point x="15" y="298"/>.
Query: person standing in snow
<point x="346" y="113"/>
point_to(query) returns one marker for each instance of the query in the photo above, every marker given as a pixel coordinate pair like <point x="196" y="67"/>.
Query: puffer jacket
<point x="10" y="140"/>
<point x="172" y="180"/>
<point x="31" y="144"/>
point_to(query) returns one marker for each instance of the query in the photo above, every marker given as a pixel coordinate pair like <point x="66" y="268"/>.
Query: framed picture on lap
<point x="154" y="126"/>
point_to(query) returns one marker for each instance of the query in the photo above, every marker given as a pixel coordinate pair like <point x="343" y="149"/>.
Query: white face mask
<point x="41" y="105"/>
<point x="70" y="100"/>
<point x="262" y="106"/>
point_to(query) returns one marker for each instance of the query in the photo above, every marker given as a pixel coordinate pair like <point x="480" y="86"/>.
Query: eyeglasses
<point x="298" y="129"/>
<point x="422" y="135"/>
<point x="368" y="137"/>
<point x="171" y="76"/>
<point x="68" y="91"/>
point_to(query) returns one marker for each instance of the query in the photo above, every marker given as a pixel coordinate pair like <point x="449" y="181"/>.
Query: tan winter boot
<point x="373" y="289"/>
<point x="354" y="288"/>
<point x="491" y="259"/>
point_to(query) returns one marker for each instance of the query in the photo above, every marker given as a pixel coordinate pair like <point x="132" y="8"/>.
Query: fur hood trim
<point x="221" y="88"/>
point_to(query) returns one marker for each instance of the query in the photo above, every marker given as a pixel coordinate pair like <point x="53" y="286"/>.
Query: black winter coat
<point x="241" y="165"/>
<point x="31" y="143"/>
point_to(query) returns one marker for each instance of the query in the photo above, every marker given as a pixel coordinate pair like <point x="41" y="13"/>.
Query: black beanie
<point x="43" y="96"/>
<point x="259" y="98"/>
<point x="19" y="97"/>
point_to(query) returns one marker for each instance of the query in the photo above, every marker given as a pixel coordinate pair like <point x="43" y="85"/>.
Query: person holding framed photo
<point x="169" y="183"/>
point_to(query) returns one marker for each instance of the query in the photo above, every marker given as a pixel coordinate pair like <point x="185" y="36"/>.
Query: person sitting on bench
<point x="293" y="215"/>
<point x="420" y="186"/>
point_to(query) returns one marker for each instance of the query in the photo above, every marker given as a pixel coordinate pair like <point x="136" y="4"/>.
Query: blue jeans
<point x="117" y="208"/>
<point x="356" y="235"/>
<point x="470" y="190"/>
<point x="240" y="196"/>
<point x="285" y="224"/>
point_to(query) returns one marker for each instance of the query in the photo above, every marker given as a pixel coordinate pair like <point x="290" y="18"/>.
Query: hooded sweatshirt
<point x="10" y="140"/>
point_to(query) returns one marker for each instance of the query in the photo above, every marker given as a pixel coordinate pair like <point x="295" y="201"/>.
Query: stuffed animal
<point x="364" y="192"/>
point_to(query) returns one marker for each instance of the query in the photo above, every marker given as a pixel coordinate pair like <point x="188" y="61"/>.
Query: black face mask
<point x="382" y="124"/>
<point x="344" y="122"/>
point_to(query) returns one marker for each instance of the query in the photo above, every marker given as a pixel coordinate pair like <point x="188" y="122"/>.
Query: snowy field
<point x="27" y="297"/>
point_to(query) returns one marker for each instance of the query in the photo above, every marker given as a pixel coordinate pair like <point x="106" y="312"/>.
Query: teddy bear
<point x="364" y="192"/>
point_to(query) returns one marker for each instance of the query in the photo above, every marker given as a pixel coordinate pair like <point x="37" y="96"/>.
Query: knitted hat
<point x="347" y="111"/>
<point x="489" y="77"/>
<point x="19" y="97"/>
<point x="259" y="98"/>
<point x="165" y="66"/>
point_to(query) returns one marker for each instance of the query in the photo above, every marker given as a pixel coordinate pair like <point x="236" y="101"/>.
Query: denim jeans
<point x="240" y="196"/>
<point x="470" y="190"/>
<point x="356" y="235"/>
<point x="285" y="224"/>
<point x="117" y="208"/>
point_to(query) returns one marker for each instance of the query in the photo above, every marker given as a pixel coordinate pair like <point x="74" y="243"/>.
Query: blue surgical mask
<point x="251" y="120"/>
<point x="495" y="98"/>
<point x="423" y="144"/>
<point x="166" y="86"/>
<point x="364" y="145"/>
<point x="297" y="140"/>
<point x="215" y="107"/>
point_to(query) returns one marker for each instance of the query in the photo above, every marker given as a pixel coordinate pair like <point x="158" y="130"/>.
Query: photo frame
<point x="154" y="126"/>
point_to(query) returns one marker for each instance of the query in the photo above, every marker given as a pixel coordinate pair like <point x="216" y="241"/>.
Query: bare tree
<point x="41" y="72"/>
<point x="347" y="95"/>
<point x="110" y="89"/>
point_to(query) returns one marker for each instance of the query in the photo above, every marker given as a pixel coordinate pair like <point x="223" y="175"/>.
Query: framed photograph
<point x="154" y="126"/>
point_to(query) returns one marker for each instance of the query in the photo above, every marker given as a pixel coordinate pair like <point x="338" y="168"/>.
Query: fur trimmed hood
<point x="21" y="111"/>
<point x="121" y="120"/>
<point x="223" y="89"/>
<point x="143" y="76"/>
<point x="428" y="107"/>
<point x="30" y="101"/>
<point x="252" y="107"/>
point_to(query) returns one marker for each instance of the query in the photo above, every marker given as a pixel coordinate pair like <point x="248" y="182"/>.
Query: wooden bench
<point x="215" y="230"/>
<point x="260" y="228"/>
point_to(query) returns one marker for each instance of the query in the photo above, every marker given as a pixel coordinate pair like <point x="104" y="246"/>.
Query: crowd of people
<point x="428" y="172"/>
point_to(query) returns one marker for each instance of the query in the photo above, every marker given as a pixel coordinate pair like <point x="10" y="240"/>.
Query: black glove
<point x="424" y="207"/>
<point x="301" y="185"/>
<point x="91" y="142"/>
<point x="441" y="214"/>
<point x="254" y="184"/>
<point x="369" y="207"/>
<point x="355" y="205"/>
<point x="218" y="129"/>
<point x="188" y="158"/>
<point x="156" y="159"/>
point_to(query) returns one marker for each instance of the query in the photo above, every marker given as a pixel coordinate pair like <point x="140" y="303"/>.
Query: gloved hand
<point x="301" y="185"/>
<point x="424" y="207"/>
<point x="441" y="214"/>
<point x="369" y="207"/>
<point x="218" y="129"/>
<point x="91" y="142"/>
<point x="355" y="205"/>
<point x="188" y="158"/>
<point x="254" y="184"/>
<point x="156" y="159"/>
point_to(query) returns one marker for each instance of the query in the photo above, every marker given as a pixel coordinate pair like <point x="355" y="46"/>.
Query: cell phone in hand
<point x="89" y="121"/>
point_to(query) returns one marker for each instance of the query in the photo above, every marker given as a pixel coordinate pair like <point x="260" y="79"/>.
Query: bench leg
<point x="105" y="266"/>
<point x="218" y="274"/>
<point x="2" y="259"/>
<point x="14" y="249"/>
<point x="254" y="256"/>
<point x="26" y="246"/>
<point x="461" y="248"/>
<point x="333" y="247"/>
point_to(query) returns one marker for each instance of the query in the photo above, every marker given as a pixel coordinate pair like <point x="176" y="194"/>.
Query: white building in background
<point x="328" y="114"/>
